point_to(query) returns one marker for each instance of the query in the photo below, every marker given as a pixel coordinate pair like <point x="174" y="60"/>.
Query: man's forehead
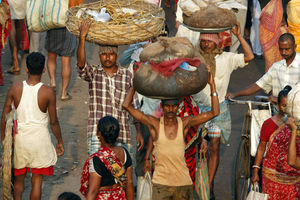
<point x="107" y="49"/>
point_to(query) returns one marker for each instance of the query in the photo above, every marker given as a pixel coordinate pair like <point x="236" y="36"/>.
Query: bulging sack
<point x="151" y="83"/>
<point x="45" y="15"/>
<point x="171" y="68"/>
<point x="167" y="49"/>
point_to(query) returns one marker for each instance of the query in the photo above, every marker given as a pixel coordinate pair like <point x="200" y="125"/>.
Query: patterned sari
<point x="270" y="29"/>
<point x="293" y="13"/>
<point x="280" y="180"/>
<point x="4" y="33"/>
<point x="114" y="165"/>
<point x="189" y="108"/>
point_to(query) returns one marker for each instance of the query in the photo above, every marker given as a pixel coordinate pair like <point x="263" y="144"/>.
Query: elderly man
<point x="108" y="86"/>
<point x="281" y="73"/>
<point x="222" y="65"/>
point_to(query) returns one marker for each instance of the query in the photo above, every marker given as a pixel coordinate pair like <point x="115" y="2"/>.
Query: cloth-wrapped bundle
<point x="206" y="16"/>
<point x="170" y="68"/>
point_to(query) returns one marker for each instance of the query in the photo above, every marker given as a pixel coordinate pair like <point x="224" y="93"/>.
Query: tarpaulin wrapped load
<point x="170" y="68"/>
<point x="202" y="14"/>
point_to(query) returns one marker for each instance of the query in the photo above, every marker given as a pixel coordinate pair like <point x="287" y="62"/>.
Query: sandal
<point x="67" y="98"/>
<point x="13" y="71"/>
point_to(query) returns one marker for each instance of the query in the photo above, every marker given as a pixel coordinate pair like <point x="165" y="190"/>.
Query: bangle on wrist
<point x="256" y="166"/>
<point x="214" y="94"/>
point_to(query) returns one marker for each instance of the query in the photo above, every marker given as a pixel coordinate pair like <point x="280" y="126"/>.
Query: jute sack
<point x="159" y="75"/>
<point x="167" y="49"/>
<point x="151" y="83"/>
<point x="45" y="15"/>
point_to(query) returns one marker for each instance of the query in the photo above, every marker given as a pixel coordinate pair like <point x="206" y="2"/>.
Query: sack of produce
<point x="45" y="15"/>
<point x="201" y="14"/>
<point x="117" y="22"/>
<point x="169" y="70"/>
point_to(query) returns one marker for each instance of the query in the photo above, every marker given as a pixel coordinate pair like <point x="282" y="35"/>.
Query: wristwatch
<point x="214" y="94"/>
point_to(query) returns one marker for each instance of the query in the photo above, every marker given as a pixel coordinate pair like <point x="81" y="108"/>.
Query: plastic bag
<point x="144" y="192"/>
<point x="258" y="118"/>
<point x="254" y="194"/>
<point x="202" y="180"/>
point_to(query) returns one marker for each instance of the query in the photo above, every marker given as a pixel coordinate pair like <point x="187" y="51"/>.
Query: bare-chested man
<point x="33" y="150"/>
<point x="171" y="177"/>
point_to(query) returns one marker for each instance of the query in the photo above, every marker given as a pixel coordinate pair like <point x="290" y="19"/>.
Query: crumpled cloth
<point x="167" y="68"/>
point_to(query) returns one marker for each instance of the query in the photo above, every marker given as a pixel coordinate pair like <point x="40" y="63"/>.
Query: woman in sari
<point x="279" y="180"/>
<point x="4" y="31"/>
<point x="271" y="27"/>
<point x="292" y="157"/>
<point x="107" y="174"/>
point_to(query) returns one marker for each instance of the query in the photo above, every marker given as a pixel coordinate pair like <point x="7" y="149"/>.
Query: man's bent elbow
<point x="249" y="58"/>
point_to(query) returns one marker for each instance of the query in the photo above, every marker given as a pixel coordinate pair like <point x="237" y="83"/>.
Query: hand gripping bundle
<point x="170" y="68"/>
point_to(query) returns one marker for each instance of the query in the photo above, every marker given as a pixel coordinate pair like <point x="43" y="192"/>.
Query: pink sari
<point x="280" y="180"/>
<point x="270" y="29"/>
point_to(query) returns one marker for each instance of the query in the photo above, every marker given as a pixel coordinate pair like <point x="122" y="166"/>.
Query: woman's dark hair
<point x="68" y="196"/>
<point x="35" y="63"/>
<point x="283" y="93"/>
<point x="109" y="128"/>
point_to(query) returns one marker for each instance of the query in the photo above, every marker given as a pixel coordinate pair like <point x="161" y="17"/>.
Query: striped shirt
<point x="106" y="98"/>
<point x="280" y="75"/>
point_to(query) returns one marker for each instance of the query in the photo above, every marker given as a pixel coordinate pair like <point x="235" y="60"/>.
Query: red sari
<point x="114" y="165"/>
<point x="280" y="180"/>
<point x="4" y="33"/>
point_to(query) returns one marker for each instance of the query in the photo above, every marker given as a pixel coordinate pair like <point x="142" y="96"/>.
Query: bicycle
<point x="242" y="164"/>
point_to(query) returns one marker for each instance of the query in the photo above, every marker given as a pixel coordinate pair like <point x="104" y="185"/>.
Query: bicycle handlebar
<point x="248" y="101"/>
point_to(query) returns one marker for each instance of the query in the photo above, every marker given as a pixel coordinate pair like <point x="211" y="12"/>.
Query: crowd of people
<point x="169" y="132"/>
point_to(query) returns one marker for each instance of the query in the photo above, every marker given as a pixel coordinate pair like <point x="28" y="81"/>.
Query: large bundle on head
<point x="170" y="68"/>
<point x="202" y="14"/>
<point x="117" y="22"/>
<point x="293" y="102"/>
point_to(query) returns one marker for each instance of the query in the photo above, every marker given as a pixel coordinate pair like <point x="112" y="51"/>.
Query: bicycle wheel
<point x="242" y="170"/>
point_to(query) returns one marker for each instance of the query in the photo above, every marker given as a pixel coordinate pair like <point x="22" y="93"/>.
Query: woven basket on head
<point x="7" y="158"/>
<point x="148" y="23"/>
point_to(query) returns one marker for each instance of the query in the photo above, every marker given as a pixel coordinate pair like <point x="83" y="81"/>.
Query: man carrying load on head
<point x="222" y="65"/>
<point x="108" y="86"/>
<point x="171" y="179"/>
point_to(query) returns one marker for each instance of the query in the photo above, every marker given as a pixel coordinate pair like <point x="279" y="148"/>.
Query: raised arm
<point x="54" y="124"/>
<point x="204" y="117"/>
<point x="248" y="54"/>
<point x="84" y="28"/>
<point x="148" y="120"/>
<point x="292" y="158"/>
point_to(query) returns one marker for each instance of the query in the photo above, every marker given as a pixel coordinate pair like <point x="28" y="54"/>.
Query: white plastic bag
<point x="254" y="194"/>
<point x="258" y="118"/>
<point x="144" y="192"/>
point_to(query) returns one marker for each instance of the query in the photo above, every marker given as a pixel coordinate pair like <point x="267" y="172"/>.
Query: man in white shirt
<point x="222" y="65"/>
<point x="282" y="73"/>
